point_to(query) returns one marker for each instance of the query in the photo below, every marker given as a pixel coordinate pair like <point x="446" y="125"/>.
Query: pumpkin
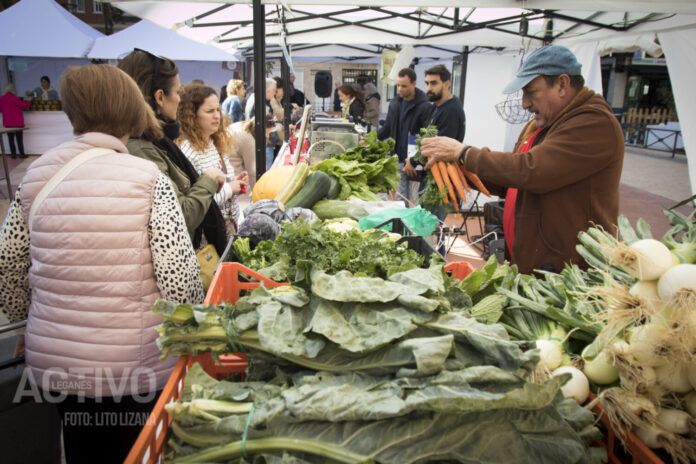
<point x="271" y="183"/>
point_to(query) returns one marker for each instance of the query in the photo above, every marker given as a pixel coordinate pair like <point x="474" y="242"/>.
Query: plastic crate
<point x="396" y="225"/>
<point x="228" y="285"/>
<point x="459" y="269"/>
<point x="633" y="450"/>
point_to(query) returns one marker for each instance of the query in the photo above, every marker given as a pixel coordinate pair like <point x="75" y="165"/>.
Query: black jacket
<point x="213" y="224"/>
<point x="416" y="118"/>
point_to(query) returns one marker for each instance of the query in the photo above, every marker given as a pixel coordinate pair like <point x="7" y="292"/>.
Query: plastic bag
<point x="420" y="221"/>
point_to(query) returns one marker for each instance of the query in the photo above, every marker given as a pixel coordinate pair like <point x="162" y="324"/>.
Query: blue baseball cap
<point x="551" y="60"/>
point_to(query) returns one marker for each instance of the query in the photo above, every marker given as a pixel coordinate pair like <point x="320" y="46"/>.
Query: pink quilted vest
<point x="90" y="329"/>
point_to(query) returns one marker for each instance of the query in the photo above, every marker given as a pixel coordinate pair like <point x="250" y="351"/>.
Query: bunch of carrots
<point x="454" y="178"/>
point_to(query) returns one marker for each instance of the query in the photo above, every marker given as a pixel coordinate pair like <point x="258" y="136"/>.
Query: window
<point x="360" y="76"/>
<point x="97" y="6"/>
<point x="75" y="6"/>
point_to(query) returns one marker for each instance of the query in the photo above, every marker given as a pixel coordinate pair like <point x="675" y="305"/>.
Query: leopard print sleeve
<point x="176" y="268"/>
<point x="14" y="263"/>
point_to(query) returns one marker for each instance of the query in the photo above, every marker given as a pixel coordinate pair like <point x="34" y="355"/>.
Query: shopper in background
<point x="274" y="139"/>
<point x="232" y="105"/>
<point x="407" y="114"/>
<point x="336" y="100"/>
<point x="296" y="95"/>
<point x="207" y="144"/>
<point x="11" y="107"/>
<point x="85" y="264"/>
<point x="564" y="173"/>
<point x="372" y="104"/>
<point x="158" y="79"/>
<point x="44" y="91"/>
<point x="244" y="157"/>
<point x="278" y="111"/>
<point x="352" y="103"/>
<point x="447" y="112"/>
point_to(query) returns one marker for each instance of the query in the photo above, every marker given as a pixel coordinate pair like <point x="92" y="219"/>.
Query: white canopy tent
<point x="495" y="28"/>
<point x="43" y="28"/>
<point x="157" y="40"/>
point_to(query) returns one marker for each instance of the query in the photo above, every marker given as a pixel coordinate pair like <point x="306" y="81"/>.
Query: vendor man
<point x="564" y="173"/>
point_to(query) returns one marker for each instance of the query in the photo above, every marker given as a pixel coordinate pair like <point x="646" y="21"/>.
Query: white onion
<point x="674" y="420"/>
<point x="681" y="277"/>
<point x="649" y="343"/>
<point x="578" y="387"/>
<point x="691" y="373"/>
<point x="652" y="259"/>
<point x="550" y="353"/>
<point x="646" y="290"/>
<point x="600" y="370"/>
<point x="674" y="377"/>
<point x="690" y="403"/>
<point x="651" y="437"/>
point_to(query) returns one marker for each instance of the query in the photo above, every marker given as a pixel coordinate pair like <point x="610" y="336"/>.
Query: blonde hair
<point x="102" y="98"/>
<point x="192" y="97"/>
<point x="233" y="86"/>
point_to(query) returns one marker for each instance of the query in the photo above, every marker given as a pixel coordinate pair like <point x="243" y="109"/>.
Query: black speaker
<point x="322" y="84"/>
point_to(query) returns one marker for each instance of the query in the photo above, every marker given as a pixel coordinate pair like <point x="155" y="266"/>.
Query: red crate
<point x="226" y="286"/>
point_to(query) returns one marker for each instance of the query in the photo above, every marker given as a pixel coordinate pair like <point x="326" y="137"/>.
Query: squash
<point x="271" y="183"/>
<point x="294" y="184"/>
<point x="315" y="188"/>
<point x="335" y="188"/>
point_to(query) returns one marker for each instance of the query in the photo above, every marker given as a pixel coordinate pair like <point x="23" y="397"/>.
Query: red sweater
<point x="11" y="108"/>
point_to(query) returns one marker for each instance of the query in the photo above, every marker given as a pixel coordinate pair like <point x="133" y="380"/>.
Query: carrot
<point x="477" y="182"/>
<point x="450" y="189"/>
<point x="462" y="177"/>
<point x="454" y="174"/>
<point x="435" y="171"/>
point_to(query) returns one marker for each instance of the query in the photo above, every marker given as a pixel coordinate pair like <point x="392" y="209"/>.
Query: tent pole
<point x="287" y="107"/>
<point x="462" y="76"/>
<point x="260" y="86"/>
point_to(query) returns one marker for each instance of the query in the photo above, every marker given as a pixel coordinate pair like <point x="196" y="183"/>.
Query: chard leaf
<point x="345" y="287"/>
<point x="361" y="327"/>
<point x="431" y="279"/>
<point x="281" y="327"/>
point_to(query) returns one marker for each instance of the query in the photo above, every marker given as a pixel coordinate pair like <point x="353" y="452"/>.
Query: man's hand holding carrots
<point x="440" y="149"/>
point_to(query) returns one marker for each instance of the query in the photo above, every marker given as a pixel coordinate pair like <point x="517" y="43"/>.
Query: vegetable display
<point x="303" y="244"/>
<point x="359" y="369"/>
<point x="364" y="170"/>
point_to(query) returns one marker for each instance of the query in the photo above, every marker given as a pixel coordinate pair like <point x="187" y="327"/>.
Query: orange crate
<point x="149" y="448"/>
<point x="635" y="451"/>
<point x="459" y="269"/>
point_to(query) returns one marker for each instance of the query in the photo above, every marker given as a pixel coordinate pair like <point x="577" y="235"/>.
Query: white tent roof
<point x="44" y="28"/>
<point x="494" y="23"/>
<point x="157" y="40"/>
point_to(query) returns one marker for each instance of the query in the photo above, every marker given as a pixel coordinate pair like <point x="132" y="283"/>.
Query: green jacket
<point x="194" y="199"/>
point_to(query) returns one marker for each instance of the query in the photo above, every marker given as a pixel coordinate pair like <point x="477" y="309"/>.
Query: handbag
<point x="208" y="259"/>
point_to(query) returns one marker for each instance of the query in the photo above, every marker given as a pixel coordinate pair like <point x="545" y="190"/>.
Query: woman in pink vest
<point x="92" y="239"/>
<point x="11" y="107"/>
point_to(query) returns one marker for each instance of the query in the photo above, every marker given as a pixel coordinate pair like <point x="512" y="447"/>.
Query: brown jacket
<point x="568" y="180"/>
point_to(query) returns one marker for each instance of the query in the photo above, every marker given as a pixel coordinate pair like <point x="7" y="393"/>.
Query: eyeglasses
<point x="156" y="60"/>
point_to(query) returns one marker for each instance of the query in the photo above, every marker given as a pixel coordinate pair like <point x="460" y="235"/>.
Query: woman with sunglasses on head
<point x="206" y="142"/>
<point x="158" y="79"/>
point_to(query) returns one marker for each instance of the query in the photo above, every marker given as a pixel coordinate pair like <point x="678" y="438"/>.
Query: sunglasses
<point x="157" y="60"/>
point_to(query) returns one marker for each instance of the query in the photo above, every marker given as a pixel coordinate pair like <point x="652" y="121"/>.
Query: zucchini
<point x="315" y="188"/>
<point x="334" y="209"/>
<point x="335" y="188"/>
<point x="297" y="180"/>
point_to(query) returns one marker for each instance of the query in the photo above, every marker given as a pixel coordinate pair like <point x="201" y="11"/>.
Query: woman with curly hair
<point x="206" y="143"/>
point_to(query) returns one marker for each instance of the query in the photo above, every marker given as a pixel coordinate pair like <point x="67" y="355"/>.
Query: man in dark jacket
<point x="565" y="170"/>
<point x="406" y="115"/>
